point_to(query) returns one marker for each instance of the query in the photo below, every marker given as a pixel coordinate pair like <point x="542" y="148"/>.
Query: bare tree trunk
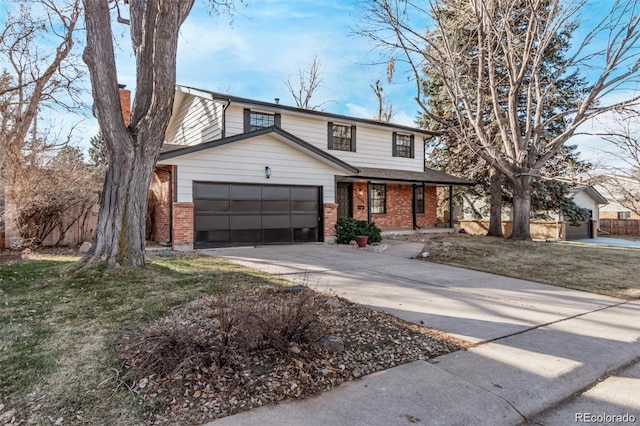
<point x="120" y="232"/>
<point x="521" y="207"/>
<point x="495" y="196"/>
<point x="133" y="148"/>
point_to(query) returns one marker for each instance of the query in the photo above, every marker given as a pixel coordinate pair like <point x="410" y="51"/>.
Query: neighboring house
<point x="236" y="171"/>
<point x="588" y="198"/>
<point x="623" y="194"/>
<point x="475" y="215"/>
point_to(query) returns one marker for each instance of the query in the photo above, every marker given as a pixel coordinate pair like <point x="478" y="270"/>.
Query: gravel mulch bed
<point x="192" y="365"/>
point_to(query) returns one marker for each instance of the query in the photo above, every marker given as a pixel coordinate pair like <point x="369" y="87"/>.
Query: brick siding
<point x="183" y="224"/>
<point x="125" y="104"/>
<point x="330" y="219"/>
<point x="161" y="208"/>
<point x="399" y="208"/>
<point x="614" y="215"/>
<point x="360" y="199"/>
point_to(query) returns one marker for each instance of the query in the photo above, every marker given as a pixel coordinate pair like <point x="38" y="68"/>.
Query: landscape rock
<point x="333" y="343"/>
<point x="84" y="248"/>
<point x="295" y="289"/>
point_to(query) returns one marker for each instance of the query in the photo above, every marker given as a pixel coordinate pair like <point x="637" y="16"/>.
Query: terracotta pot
<point x="361" y="240"/>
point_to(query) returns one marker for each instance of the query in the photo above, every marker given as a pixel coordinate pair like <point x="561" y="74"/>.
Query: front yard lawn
<point x="609" y="271"/>
<point x="143" y="346"/>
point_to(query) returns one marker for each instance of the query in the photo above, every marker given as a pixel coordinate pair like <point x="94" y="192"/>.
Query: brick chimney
<point x="125" y="103"/>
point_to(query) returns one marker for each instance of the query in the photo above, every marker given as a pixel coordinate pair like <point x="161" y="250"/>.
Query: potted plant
<point x="361" y="240"/>
<point x="349" y="229"/>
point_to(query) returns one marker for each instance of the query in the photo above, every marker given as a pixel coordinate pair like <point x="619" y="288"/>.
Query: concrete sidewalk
<point x="538" y="344"/>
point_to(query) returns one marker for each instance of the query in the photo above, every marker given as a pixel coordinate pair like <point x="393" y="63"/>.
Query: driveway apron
<point x="537" y="345"/>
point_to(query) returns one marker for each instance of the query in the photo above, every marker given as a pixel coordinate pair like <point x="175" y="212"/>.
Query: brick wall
<point x="125" y="103"/>
<point x="360" y="199"/>
<point x="430" y="216"/>
<point x="161" y="209"/>
<point x="330" y="219"/>
<point x="399" y="212"/>
<point x="614" y="215"/>
<point x="183" y="224"/>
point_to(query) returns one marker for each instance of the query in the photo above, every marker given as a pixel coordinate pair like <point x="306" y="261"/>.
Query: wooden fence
<point x="620" y="226"/>
<point x="75" y="231"/>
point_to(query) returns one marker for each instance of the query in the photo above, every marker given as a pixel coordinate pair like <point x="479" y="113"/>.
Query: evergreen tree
<point x="453" y="155"/>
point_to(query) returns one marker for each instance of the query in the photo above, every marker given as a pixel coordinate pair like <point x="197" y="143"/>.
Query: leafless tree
<point x="133" y="147"/>
<point x="309" y="79"/>
<point x="37" y="76"/>
<point x="621" y="182"/>
<point x="507" y="56"/>
<point x="385" y="109"/>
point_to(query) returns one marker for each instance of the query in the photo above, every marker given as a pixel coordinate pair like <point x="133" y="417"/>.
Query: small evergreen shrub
<point x="348" y="228"/>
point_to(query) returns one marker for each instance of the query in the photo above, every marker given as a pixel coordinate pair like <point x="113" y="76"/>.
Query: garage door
<point x="243" y="214"/>
<point x="575" y="232"/>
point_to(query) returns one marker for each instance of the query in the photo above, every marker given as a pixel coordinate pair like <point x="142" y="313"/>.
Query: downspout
<point x="170" y="172"/>
<point x="224" y="118"/>
<point x="451" y="206"/>
<point x="413" y="207"/>
<point x="369" y="202"/>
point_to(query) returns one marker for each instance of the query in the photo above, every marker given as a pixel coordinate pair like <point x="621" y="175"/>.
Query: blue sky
<point x="252" y="52"/>
<point x="269" y="40"/>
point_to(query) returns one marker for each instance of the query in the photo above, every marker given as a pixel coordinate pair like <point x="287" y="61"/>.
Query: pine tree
<point x="453" y="155"/>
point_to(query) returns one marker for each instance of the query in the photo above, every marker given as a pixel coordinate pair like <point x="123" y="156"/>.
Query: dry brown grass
<point x="609" y="271"/>
<point x="61" y="332"/>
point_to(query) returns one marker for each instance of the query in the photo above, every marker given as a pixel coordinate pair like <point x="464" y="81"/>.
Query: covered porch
<point x="397" y="200"/>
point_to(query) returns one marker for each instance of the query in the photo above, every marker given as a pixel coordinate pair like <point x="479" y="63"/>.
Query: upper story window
<point x="342" y="137"/>
<point x="624" y="215"/>
<point x="255" y="120"/>
<point x="402" y="145"/>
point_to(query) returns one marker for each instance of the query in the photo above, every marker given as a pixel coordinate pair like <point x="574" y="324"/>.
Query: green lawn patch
<point x="59" y="331"/>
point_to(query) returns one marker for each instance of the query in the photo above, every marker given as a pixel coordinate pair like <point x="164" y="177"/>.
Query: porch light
<point x="267" y="171"/>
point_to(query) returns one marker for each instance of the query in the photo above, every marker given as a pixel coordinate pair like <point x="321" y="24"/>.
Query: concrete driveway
<point x="607" y="242"/>
<point x="537" y="344"/>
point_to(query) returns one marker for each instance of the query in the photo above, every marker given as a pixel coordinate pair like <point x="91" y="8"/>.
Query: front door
<point x="345" y="200"/>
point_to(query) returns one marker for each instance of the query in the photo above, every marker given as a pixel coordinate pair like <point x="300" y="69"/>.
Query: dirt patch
<point x="436" y="247"/>
<point x="192" y="365"/>
<point x="9" y="256"/>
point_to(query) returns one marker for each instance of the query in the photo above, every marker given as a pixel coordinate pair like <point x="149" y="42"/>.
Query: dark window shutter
<point x="277" y="120"/>
<point x="394" y="147"/>
<point x="330" y="135"/>
<point x="412" y="151"/>
<point x="353" y="138"/>
<point x="247" y="120"/>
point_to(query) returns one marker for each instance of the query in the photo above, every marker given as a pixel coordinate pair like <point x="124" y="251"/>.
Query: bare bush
<point x="227" y="330"/>
<point x="48" y="196"/>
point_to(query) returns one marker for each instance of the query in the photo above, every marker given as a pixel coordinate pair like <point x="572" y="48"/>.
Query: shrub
<point x="348" y="228"/>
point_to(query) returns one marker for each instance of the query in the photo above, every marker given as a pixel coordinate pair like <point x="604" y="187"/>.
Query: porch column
<point x="450" y="206"/>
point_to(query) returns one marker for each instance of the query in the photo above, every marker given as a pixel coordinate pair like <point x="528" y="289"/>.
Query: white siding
<point x="373" y="144"/>
<point x="198" y="120"/>
<point x="245" y="161"/>
<point x="582" y="199"/>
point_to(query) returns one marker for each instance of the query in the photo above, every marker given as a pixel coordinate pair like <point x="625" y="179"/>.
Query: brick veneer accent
<point x="183" y="224"/>
<point x="399" y="208"/>
<point x="125" y="104"/>
<point x="430" y="216"/>
<point x="161" y="209"/>
<point x="614" y="215"/>
<point x="330" y="219"/>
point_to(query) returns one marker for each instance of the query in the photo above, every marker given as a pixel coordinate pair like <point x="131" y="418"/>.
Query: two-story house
<point x="236" y="171"/>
